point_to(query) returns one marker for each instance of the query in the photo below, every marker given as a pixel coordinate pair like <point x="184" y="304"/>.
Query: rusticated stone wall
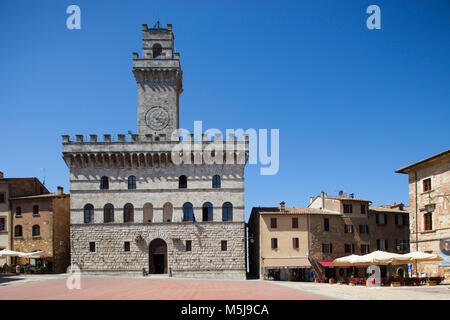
<point x="206" y="259"/>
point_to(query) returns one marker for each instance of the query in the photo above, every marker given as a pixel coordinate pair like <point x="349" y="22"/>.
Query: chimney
<point x="311" y="199"/>
<point x="282" y="207"/>
<point x="60" y="190"/>
<point x="322" y="195"/>
<point x="1" y="175"/>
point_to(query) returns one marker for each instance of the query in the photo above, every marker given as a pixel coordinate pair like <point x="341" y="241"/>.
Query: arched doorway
<point x="157" y="256"/>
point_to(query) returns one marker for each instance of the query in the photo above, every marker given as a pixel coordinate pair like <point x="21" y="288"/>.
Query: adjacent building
<point x="12" y="188"/>
<point x="142" y="204"/>
<point x="293" y="243"/>
<point x="41" y="223"/>
<point x="429" y="200"/>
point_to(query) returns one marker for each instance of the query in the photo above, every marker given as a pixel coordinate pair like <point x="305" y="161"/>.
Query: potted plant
<point x="316" y="280"/>
<point x="352" y="283"/>
<point x="431" y="283"/>
<point x="331" y="281"/>
<point x="395" y="284"/>
<point x="339" y="282"/>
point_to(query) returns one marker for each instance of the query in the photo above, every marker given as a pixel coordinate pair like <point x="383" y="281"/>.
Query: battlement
<point x="133" y="138"/>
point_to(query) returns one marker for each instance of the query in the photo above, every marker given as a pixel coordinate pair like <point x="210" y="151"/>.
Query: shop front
<point x="287" y="269"/>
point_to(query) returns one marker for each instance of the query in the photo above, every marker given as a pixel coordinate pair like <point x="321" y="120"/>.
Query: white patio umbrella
<point x="36" y="254"/>
<point x="381" y="258"/>
<point x="418" y="256"/>
<point x="10" y="253"/>
<point x="348" y="260"/>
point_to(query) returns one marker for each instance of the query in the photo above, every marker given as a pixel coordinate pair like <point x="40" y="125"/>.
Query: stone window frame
<point x="363" y="208"/>
<point x="104" y="183"/>
<point x="128" y="213"/>
<point x="428" y="221"/>
<point x="16" y="228"/>
<point x="274" y="243"/>
<point x="426" y="185"/>
<point x="88" y="213"/>
<point x="36" y="231"/>
<point x="349" y="248"/>
<point x="2" y="197"/>
<point x="126" y="246"/>
<point x="227" y="211"/>
<point x="224" y="245"/>
<point x="364" y="248"/>
<point x="35" y="210"/>
<point x="188" y="211"/>
<point x="326" y="224"/>
<point x="3" y="225"/>
<point x="216" y="182"/>
<point x="327" y="248"/>
<point x="91" y="246"/>
<point x="346" y="206"/>
<point x="295" y="225"/>
<point x="295" y="243"/>
<point x="348" y="228"/>
<point x="273" y="223"/>
<point x="132" y="183"/>
<point x="182" y="182"/>
<point x="209" y="213"/>
<point x="18" y="211"/>
<point x="108" y="217"/>
<point x="188" y="245"/>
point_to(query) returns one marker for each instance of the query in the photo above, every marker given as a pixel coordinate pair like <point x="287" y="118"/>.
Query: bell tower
<point x="160" y="82"/>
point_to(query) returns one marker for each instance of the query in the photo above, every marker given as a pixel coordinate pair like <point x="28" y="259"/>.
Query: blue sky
<point x="352" y="104"/>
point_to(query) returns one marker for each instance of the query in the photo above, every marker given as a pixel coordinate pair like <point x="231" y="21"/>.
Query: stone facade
<point x="52" y="218"/>
<point x="326" y="231"/>
<point x="434" y="202"/>
<point x="154" y="185"/>
<point x="11" y="188"/>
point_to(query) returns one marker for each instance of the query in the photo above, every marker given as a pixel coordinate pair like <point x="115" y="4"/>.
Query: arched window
<point x="182" y="182"/>
<point x="148" y="212"/>
<point x="128" y="213"/>
<point x="88" y="213"/>
<point x="17" y="231"/>
<point x="104" y="183"/>
<point x="227" y="212"/>
<point x="167" y="212"/>
<point x="216" y="181"/>
<point x="207" y="212"/>
<point x="157" y="49"/>
<point x="188" y="212"/>
<point x="131" y="182"/>
<point x="36" y="231"/>
<point x="108" y="213"/>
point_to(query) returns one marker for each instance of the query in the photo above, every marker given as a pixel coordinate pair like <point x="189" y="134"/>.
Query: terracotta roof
<point x="47" y="195"/>
<point x="294" y="210"/>
<point x="405" y="169"/>
<point x="341" y="198"/>
<point x="387" y="208"/>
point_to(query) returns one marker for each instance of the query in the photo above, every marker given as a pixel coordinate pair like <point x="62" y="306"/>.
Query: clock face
<point x="157" y="118"/>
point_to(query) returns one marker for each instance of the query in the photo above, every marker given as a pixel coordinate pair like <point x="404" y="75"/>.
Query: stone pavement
<point x="53" y="287"/>
<point x="346" y="292"/>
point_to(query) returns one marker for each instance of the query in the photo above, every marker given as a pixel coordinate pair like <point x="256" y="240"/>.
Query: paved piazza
<point x="53" y="287"/>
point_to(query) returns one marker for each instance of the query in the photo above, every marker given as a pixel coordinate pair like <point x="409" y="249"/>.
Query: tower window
<point x="227" y="211"/>
<point x="128" y="213"/>
<point x="157" y="50"/>
<point x="104" y="183"/>
<point x="131" y="182"/>
<point x="188" y="212"/>
<point x="223" y="245"/>
<point x="88" y="213"/>
<point x="207" y="211"/>
<point x="216" y="181"/>
<point x="182" y="182"/>
<point x="108" y="213"/>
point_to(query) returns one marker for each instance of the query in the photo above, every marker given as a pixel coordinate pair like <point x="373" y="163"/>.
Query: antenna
<point x="43" y="180"/>
<point x="157" y="24"/>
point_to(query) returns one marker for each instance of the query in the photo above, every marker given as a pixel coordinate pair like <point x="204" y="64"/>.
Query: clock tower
<point x="160" y="82"/>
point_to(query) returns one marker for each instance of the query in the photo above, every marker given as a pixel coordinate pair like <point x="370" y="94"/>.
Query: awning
<point x="286" y="262"/>
<point x="330" y="264"/>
